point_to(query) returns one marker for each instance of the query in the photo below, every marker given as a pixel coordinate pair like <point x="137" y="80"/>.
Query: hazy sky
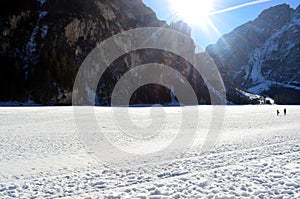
<point x="223" y="22"/>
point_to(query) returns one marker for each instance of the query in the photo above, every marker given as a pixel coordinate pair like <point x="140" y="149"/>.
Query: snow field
<point x="257" y="156"/>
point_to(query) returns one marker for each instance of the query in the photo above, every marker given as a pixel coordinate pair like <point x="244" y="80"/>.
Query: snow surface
<point x="42" y="2"/>
<point x="44" y="30"/>
<point x="265" y="52"/>
<point x="250" y="95"/>
<point x="257" y="155"/>
<point x="256" y="62"/>
<point x="31" y="45"/>
<point x="264" y="86"/>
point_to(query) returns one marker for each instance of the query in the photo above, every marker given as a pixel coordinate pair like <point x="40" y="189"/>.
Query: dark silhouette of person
<point x="278" y="112"/>
<point x="284" y="111"/>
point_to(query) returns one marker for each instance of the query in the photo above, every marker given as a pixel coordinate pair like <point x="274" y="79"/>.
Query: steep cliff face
<point x="263" y="56"/>
<point x="43" y="43"/>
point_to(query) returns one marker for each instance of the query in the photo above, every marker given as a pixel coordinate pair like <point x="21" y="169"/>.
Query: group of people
<point x="284" y="112"/>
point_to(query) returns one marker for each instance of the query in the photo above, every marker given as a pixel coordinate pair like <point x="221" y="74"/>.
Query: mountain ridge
<point x="44" y="42"/>
<point x="262" y="56"/>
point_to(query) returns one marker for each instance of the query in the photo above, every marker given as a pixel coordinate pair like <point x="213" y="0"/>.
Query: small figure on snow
<point x="278" y="112"/>
<point x="284" y="111"/>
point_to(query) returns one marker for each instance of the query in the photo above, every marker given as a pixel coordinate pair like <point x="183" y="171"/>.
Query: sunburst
<point x="194" y="12"/>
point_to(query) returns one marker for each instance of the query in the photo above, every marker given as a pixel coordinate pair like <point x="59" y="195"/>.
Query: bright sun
<point x="192" y="11"/>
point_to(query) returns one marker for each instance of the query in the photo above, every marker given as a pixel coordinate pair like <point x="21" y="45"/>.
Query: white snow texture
<point x="258" y="155"/>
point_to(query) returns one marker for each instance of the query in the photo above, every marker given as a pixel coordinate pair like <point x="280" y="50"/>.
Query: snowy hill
<point x="263" y="56"/>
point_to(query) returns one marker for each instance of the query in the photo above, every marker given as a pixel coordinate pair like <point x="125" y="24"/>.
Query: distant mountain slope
<point x="263" y="56"/>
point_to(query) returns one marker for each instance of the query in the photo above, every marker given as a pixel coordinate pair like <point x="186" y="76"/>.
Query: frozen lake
<point x="257" y="154"/>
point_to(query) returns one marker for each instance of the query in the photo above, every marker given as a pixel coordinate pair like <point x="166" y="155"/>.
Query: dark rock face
<point x="43" y="43"/>
<point x="154" y="93"/>
<point x="262" y="56"/>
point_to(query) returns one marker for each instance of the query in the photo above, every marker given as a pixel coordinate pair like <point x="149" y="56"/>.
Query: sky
<point x="235" y="13"/>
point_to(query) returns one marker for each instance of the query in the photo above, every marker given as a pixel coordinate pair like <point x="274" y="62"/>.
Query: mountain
<point x="43" y="44"/>
<point x="262" y="56"/>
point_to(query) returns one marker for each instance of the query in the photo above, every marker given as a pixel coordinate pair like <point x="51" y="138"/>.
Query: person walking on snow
<point x="284" y="111"/>
<point x="278" y="112"/>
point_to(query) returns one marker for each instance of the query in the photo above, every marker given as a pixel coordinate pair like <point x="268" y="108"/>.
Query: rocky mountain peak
<point x="274" y="18"/>
<point x="297" y="12"/>
<point x="263" y="56"/>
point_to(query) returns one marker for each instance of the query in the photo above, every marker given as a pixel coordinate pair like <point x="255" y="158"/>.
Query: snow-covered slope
<point x="277" y="60"/>
<point x="263" y="56"/>
<point x="257" y="155"/>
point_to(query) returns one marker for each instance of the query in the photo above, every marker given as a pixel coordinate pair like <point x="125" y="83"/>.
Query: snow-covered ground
<point x="257" y="155"/>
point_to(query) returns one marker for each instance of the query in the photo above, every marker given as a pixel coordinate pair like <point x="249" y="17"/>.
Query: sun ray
<point x="192" y="11"/>
<point x="197" y="12"/>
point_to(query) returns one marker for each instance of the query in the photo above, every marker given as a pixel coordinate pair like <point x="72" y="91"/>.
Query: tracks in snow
<point x="97" y="180"/>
